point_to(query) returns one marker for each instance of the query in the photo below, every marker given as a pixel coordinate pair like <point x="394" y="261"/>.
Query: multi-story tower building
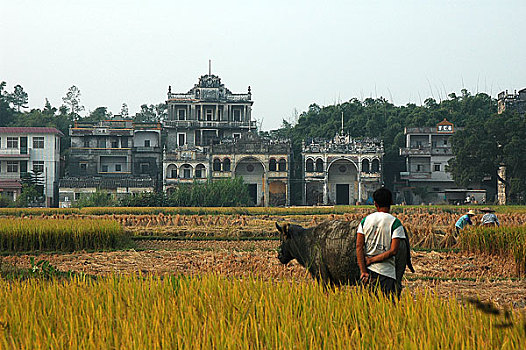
<point x="515" y="102"/>
<point x="342" y="170"/>
<point x="30" y="149"/>
<point x="117" y="156"/>
<point x="211" y="136"/>
<point x="206" y="114"/>
<point x="427" y="152"/>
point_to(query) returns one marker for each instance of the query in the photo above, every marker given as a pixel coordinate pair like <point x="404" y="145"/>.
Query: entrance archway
<point x="252" y="171"/>
<point x="343" y="175"/>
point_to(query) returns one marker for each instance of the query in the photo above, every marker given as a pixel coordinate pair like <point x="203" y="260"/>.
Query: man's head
<point x="382" y="198"/>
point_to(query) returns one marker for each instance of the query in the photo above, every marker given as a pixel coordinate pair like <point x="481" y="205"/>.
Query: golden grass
<point x="213" y="312"/>
<point x="509" y="241"/>
<point x="24" y="234"/>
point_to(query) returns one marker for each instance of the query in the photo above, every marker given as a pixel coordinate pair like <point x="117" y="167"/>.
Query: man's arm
<point x="360" y="254"/>
<point x="395" y="244"/>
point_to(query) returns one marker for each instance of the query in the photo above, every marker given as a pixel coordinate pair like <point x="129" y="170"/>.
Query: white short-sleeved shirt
<point x="379" y="229"/>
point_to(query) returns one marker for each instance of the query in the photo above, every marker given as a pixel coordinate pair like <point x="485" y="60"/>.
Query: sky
<point x="291" y="53"/>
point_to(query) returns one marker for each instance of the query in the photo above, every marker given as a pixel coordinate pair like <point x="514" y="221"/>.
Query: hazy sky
<point x="292" y="53"/>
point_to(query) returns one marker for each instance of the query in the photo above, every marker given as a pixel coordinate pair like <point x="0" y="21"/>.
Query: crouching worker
<point x="465" y="220"/>
<point x="377" y="242"/>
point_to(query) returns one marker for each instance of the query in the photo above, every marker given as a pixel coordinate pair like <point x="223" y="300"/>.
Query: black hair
<point x="383" y="197"/>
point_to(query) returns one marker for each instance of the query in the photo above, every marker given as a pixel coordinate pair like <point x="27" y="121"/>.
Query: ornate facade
<point x="211" y="136"/>
<point x="342" y="170"/>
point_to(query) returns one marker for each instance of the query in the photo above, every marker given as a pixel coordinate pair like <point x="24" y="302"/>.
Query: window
<point x="12" y="166"/>
<point x="375" y="166"/>
<point x="365" y="166"/>
<point x="146" y="143"/>
<point x="216" y="165"/>
<point x="237" y="135"/>
<point x="226" y="164"/>
<point x="83" y="167"/>
<point x="38" y="142"/>
<point x="101" y="143"/>
<point x="419" y="167"/>
<point x="104" y="168"/>
<point x="187" y="171"/>
<point x="445" y="142"/>
<point x="198" y="114"/>
<point x="437" y="167"/>
<point x="319" y="165"/>
<point x="145" y="168"/>
<point x="86" y="144"/>
<point x="436" y="189"/>
<point x="118" y="167"/>
<point x="237" y="115"/>
<point x="38" y="166"/>
<point x="12" y="142"/>
<point x="309" y="166"/>
<point x="173" y="173"/>
<point x="282" y="165"/>
<point x="181" y="139"/>
<point x="77" y="196"/>
<point x="209" y="114"/>
<point x="200" y="171"/>
<point x="124" y="142"/>
<point x="182" y="114"/>
<point x="114" y="144"/>
<point x="272" y="165"/>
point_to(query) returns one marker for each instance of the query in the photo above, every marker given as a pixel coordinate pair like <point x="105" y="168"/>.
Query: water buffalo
<point x="328" y="251"/>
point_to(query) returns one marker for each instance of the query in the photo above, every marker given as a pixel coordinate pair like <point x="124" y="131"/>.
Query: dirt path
<point x="488" y="277"/>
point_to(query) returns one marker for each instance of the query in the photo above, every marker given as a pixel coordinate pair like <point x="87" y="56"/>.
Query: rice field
<point x="148" y="312"/>
<point x="53" y="234"/>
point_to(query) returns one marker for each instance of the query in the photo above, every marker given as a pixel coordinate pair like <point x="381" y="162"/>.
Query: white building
<point x="30" y="149"/>
<point x="341" y="171"/>
<point x="427" y="153"/>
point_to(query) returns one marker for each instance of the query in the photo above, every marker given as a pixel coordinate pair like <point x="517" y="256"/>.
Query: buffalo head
<point x="285" y="234"/>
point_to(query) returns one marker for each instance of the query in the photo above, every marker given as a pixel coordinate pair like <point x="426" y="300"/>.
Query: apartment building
<point x="116" y="156"/>
<point x="26" y="150"/>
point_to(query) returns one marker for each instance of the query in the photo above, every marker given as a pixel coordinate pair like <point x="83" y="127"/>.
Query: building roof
<point x="10" y="184"/>
<point x="30" y="130"/>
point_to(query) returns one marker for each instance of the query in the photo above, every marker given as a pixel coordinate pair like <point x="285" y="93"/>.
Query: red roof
<point x="9" y="184"/>
<point x="29" y="130"/>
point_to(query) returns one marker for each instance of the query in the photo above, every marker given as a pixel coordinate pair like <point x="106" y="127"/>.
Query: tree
<point x="99" y="114"/>
<point x="6" y="112"/>
<point x="72" y="101"/>
<point x="484" y="146"/>
<point x="151" y="113"/>
<point x="19" y="97"/>
<point x="124" y="111"/>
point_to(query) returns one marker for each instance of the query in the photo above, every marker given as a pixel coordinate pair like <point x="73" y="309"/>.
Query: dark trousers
<point x="384" y="284"/>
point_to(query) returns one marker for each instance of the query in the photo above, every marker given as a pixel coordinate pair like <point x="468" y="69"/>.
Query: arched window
<point x="217" y="165"/>
<point x="319" y="165"/>
<point x="375" y="166"/>
<point x="282" y="165"/>
<point x="272" y="164"/>
<point x="226" y="164"/>
<point x="310" y="166"/>
<point x="171" y="171"/>
<point x="365" y="166"/>
<point x="200" y="171"/>
<point x="186" y="171"/>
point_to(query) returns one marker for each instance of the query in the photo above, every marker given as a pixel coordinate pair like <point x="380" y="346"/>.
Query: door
<point x="253" y="192"/>
<point x="23" y="145"/>
<point x="342" y="194"/>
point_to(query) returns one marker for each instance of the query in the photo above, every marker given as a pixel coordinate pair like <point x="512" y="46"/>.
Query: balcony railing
<point x="209" y="124"/>
<point x="22" y="152"/>
<point x="421" y="175"/>
<point x="426" y="151"/>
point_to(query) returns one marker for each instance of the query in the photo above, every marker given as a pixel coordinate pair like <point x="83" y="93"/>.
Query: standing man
<point x="464" y="221"/>
<point x="377" y="242"/>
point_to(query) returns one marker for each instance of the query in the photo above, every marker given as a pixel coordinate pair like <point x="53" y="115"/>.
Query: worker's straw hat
<point x="471" y="212"/>
<point x="487" y="210"/>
